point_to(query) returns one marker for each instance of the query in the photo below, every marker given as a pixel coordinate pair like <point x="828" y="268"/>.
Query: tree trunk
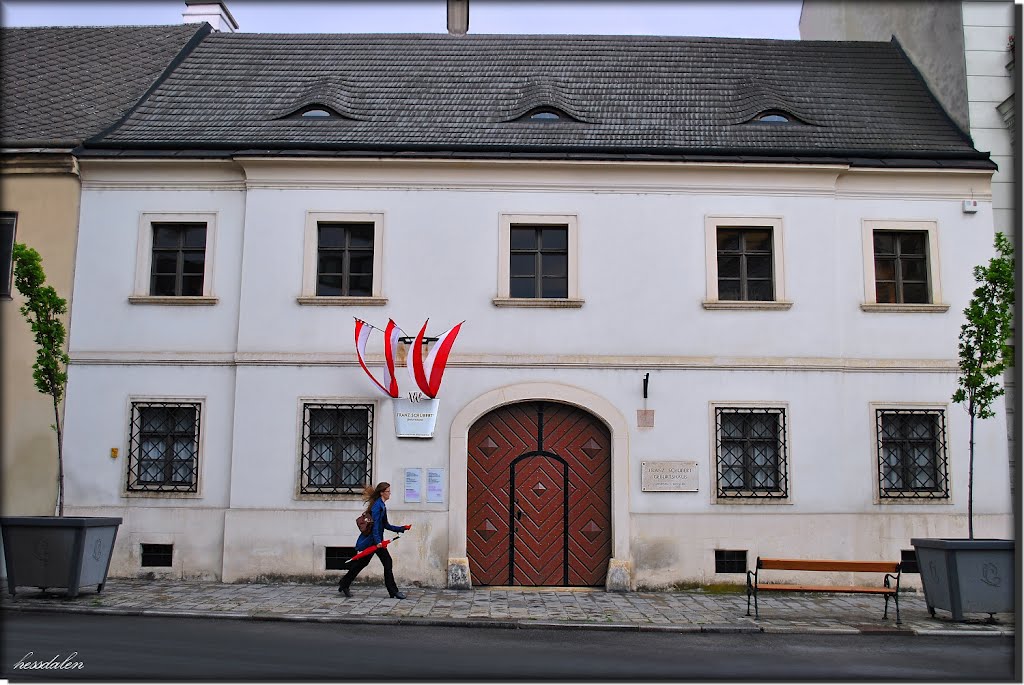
<point x="970" y="479"/>
<point x="60" y="458"/>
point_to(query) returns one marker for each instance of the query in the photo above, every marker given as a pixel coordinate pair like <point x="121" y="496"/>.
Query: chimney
<point x="214" y="12"/>
<point x="458" y="17"/>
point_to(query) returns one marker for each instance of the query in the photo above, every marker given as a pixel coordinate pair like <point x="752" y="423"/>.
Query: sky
<point x="721" y="18"/>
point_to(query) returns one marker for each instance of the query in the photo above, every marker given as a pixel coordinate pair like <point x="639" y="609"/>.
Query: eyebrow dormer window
<point x="545" y="115"/>
<point x="313" y="113"/>
<point x="775" y="117"/>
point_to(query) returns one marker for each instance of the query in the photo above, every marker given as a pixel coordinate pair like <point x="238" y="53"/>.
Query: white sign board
<point x="668" y="476"/>
<point x="413" y="485"/>
<point x="435" y="485"/>
<point x="415" y="419"/>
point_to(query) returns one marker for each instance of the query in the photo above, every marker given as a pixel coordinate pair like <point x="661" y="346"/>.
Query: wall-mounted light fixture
<point x="647" y="377"/>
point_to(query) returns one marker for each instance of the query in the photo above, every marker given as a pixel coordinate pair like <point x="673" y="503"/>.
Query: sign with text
<point x="415" y="419"/>
<point x="668" y="476"/>
<point x="435" y="485"/>
<point x="413" y="485"/>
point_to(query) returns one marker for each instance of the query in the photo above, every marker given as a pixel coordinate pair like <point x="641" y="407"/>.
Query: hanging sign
<point x="415" y="416"/>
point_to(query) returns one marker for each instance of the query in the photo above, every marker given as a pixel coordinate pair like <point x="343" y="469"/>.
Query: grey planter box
<point x="58" y="552"/>
<point x="963" y="576"/>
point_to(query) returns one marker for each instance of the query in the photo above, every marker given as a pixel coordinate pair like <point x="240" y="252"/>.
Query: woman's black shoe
<point x="345" y="591"/>
<point x="398" y="595"/>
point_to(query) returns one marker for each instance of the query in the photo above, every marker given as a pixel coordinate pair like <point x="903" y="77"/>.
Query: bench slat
<point x="822" y="588"/>
<point x="828" y="565"/>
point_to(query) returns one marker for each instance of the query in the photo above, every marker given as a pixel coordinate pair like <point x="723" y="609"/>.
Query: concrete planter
<point x="51" y="551"/>
<point x="963" y="576"/>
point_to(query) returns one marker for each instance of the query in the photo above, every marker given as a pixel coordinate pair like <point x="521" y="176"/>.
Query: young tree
<point x="985" y="349"/>
<point x="43" y="310"/>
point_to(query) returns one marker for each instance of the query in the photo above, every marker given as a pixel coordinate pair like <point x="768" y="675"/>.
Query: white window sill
<point x="549" y="302"/>
<point x="918" y="501"/>
<point x="179" y="300"/>
<point x="905" y="308"/>
<point x="749" y="501"/>
<point x="161" y="494"/>
<point x="750" y="305"/>
<point x="327" y="497"/>
<point x="339" y="301"/>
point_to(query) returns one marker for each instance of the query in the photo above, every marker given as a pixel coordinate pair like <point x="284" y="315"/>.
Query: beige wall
<point x="46" y="198"/>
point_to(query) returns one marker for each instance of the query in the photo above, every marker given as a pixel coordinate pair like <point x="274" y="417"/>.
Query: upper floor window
<point x="179" y="258"/>
<point x="345" y="259"/>
<point x="337" y="448"/>
<point x="163" y="454"/>
<point x="750" y="452"/>
<point x="342" y="259"/>
<point x="539" y="261"/>
<point x="538" y="265"/>
<point x="8" y="221"/>
<point x="901" y="267"/>
<point x="744" y="263"/>
<point x="175" y="259"/>
<point x="911" y="453"/>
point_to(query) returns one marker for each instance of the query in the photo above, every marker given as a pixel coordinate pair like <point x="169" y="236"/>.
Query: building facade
<point x="676" y="353"/>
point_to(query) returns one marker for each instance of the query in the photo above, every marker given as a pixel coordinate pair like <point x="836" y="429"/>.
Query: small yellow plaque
<point x="113" y="453"/>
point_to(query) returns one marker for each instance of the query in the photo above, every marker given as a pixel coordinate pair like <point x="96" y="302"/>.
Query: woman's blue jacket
<point x="379" y="513"/>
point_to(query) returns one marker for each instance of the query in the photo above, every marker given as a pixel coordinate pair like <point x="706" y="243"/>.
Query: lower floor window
<point x="337" y="448"/>
<point x="912" y="453"/>
<point x="751" y="452"/>
<point x="164" y="447"/>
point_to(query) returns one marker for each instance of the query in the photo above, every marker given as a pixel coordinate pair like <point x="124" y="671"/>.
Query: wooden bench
<point x="890" y="569"/>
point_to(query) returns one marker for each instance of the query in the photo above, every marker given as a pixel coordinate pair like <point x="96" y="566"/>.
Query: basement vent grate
<point x="157" y="555"/>
<point x="335" y="557"/>
<point x="908" y="561"/>
<point x="730" y="561"/>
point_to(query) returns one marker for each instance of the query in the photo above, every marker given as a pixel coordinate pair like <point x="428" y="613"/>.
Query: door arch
<point x="539" y="496"/>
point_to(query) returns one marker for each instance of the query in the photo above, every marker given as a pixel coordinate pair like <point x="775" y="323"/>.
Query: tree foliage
<point x="44" y="309"/>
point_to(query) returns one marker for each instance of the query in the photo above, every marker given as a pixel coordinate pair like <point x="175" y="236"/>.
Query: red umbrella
<point x="373" y="548"/>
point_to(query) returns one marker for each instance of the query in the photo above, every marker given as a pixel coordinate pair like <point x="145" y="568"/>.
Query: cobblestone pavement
<point x="683" y="611"/>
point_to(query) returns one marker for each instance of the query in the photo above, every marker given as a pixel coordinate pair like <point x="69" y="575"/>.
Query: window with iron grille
<point x="901" y="267"/>
<point x="179" y="259"/>
<point x="345" y="259"/>
<point x="745" y="264"/>
<point x="157" y="555"/>
<point x="164" y="447"/>
<point x="8" y="220"/>
<point x="751" y="452"/>
<point x="539" y="266"/>
<point x="730" y="561"/>
<point x="337" y="448"/>
<point x="912" y="453"/>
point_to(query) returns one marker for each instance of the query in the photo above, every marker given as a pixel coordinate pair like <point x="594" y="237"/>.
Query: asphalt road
<point x="109" y="647"/>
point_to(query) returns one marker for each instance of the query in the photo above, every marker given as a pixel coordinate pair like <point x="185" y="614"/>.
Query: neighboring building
<point x="59" y="86"/>
<point x="965" y="53"/>
<point x="736" y="264"/>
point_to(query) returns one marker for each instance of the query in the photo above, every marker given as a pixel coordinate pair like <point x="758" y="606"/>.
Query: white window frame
<point x="505" y="222"/>
<point x="711" y="225"/>
<point x="876" y="486"/>
<point x="311" y="248"/>
<point x="297" y="494"/>
<point x="144" y="258"/>
<point x="7" y="288"/>
<point x="200" y="459"/>
<point x="713" y="408"/>
<point x="931" y="227"/>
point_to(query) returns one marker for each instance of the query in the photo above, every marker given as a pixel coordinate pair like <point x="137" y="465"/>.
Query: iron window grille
<point x="751" y="453"/>
<point x="179" y="259"/>
<point x="164" y="447"/>
<point x="901" y="267"/>
<point x="745" y="264"/>
<point x="912" y="453"/>
<point x="730" y="561"/>
<point x="337" y="448"/>
<point x="539" y="261"/>
<point x="345" y="259"/>
<point x="8" y="221"/>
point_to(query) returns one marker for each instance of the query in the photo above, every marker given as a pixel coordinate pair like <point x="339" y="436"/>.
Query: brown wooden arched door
<point x="539" y="496"/>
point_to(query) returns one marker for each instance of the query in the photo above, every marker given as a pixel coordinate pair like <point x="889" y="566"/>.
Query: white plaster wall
<point x="642" y="274"/>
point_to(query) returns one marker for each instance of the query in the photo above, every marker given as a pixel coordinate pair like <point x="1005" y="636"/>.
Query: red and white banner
<point x="391" y="335"/>
<point x="426" y="375"/>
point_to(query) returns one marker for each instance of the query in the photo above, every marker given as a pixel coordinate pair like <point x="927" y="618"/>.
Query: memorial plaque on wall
<point x="668" y="476"/>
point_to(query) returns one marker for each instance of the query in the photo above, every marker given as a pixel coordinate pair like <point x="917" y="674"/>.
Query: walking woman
<point x="375" y="499"/>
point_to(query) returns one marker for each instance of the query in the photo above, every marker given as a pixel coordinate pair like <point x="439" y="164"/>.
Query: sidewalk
<point x="549" y="608"/>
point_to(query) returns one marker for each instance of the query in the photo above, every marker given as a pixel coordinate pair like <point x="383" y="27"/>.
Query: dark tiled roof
<point x="632" y="95"/>
<point x="61" y="85"/>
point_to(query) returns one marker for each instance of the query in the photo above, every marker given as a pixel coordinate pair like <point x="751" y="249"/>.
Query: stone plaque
<point x="668" y="476"/>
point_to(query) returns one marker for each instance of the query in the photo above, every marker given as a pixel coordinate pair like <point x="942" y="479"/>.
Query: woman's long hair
<point x="372" y="494"/>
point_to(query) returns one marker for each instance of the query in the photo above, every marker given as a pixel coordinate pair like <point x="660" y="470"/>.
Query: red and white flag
<point x="428" y="376"/>
<point x="391" y="334"/>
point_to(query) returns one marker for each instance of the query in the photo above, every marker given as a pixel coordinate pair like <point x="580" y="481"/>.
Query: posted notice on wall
<point x="435" y="485"/>
<point x="668" y="476"/>
<point x="413" y="485"/>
